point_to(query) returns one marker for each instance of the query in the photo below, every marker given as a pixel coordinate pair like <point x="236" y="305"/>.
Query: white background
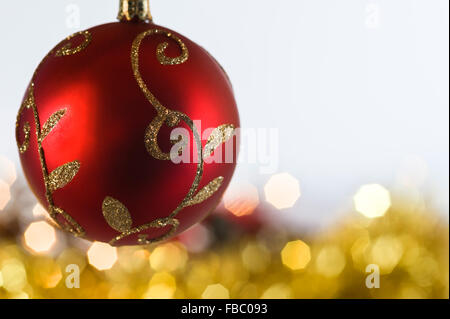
<point x="358" y="89"/>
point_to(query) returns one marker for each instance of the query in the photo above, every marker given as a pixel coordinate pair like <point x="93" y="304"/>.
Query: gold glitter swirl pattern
<point x="26" y="140"/>
<point x="116" y="214"/>
<point x="164" y="60"/>
<point x="67" y="49"/>
<point x="65" y="173"/>
<point x="151" y="134"/>
<point x="51" y="123"/>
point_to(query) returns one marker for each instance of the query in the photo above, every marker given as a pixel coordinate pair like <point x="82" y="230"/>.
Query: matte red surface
<point x="104" y="126"/>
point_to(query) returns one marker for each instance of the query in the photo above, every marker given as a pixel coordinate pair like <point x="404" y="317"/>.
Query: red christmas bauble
<point x="96" y="133"/>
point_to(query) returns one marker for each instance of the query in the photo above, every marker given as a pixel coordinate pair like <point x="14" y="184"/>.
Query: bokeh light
<point x="14" y="275"/>
<point x="282" y="191"/>
<point x="102" y="256"/>
<point x="255" y="257"/>
<point x="40" y="237"/>
<point x="372" y="200"/>
<point x="277" y="291"/>
<point x="386" y="252"/>
<point x="168" y="257"/>
<point x="330" y="261"/>
<point x="241" y="199"/>
<point x="5" y="195"/>
<point x="296" y="255"/>
<point x="216" y="291"/>
<point x="7" y="170"/>
<point x="40" y="211"/>
<point x="161" y="286"/>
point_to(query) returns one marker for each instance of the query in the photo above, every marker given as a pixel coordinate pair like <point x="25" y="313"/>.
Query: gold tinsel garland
<point x="409" y="244"/>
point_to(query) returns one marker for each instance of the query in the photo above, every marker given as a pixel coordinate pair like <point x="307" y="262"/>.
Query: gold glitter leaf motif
<point x="220" y="135"/>
<point x="117" y="215"/>
<point x="51" y="123"/>
<point x="206" y="192"/>
<point x="63" y="175"/>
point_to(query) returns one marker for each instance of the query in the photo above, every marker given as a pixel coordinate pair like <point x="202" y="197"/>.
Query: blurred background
<point x="353" y="98"/>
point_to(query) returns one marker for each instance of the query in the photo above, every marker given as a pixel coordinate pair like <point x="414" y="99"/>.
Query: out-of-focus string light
<point x="372" y="200"/>
<point x="296" y="255"/>
<point x="282" y="191"/>
<point x="241" y="199"/>
<point x="102" y="256"/>
<point x="216" y="291"/>
<point x="5" y="194"/>
<point x="7" y="170"/>
<point x="40" y="237"/>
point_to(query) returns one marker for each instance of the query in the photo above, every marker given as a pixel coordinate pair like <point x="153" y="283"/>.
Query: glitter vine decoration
<point x="65" y="173"/>
<point x="115" y="213"/>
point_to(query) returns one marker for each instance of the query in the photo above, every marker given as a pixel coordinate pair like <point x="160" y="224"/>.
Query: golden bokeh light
<point x="102" y="256"/>
<point x="216" y="291"/>
<point x="168" y="257"/>
<point x="14" y="275"/>
<point x="282" y="191"/>
<point x="296" y="255"/>
<point x="372" y="200"/>
<point x="386" y="252"/>
<point x="330" y="261"/>
<point x="20" y="295"/>
<point x="241" y="199"/>
<point x="40" y="237"/>
<point x="255" y="257"/>
<point x="277" y="291"/>
<point x="133" y="258"/>
<point x="161" y="286"/>
<point x="47" y="273"/>
<point x="5" y="194"/>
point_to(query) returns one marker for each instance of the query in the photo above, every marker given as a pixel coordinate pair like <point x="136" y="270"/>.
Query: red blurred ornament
<point x="95" y="131"/>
